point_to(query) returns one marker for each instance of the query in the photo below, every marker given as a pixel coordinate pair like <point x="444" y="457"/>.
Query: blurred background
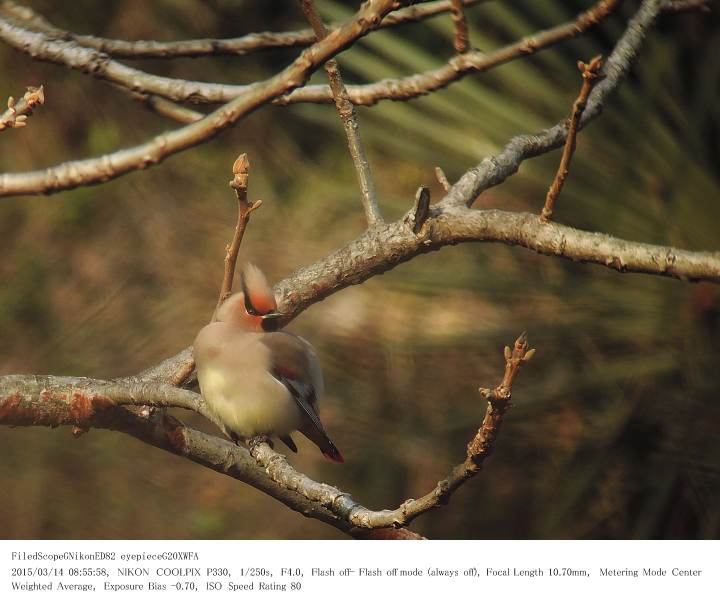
<point x="615" y="429"/>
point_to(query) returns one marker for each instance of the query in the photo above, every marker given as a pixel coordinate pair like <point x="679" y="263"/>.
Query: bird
<point x="256" y="379"/>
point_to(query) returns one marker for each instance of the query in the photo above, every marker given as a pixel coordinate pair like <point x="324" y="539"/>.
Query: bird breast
<point x="236" y="384"/>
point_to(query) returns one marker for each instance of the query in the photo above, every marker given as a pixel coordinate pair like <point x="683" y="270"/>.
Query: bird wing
<point x="294" y="364"/>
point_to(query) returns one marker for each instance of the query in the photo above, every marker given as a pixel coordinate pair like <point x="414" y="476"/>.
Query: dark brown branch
<point x="153" y="49"/>
<point x="91" y="171"/>
<point x="684" y="6"/>
<point x="590" y="74"/>
<point x="349" y="120"/>
<point x="17" y="112"/>
<point x="461" y="41"/>
<point x="421" y="209"/>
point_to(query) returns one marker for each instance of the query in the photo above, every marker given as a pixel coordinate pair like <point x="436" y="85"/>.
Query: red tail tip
<point x="335" y="456"/>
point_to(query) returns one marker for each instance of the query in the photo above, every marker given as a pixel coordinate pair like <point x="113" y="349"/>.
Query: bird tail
<point x="322" y="440"/>
<point x="331" y="452"/>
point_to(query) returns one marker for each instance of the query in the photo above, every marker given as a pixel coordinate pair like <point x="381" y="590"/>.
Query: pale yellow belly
<point x="250" y="403"/>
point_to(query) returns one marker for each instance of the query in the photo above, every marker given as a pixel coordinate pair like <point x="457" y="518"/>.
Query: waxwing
<point x="258" y="380"/>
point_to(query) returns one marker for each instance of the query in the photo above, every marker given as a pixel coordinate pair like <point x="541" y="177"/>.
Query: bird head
<point x="254" y="308"/>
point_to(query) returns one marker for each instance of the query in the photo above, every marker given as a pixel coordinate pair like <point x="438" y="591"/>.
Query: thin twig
<point x="590" y="74"/>
<point x="462" y="40"/>
<point x="17" y="112"/>
<point x="349" y="120"/>
<point x="442" y="179"/>
<point x="154" y="49"/>
<point x="239" y="182"/>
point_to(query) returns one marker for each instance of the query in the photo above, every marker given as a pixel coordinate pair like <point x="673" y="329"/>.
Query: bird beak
<point x="270" y="320"/>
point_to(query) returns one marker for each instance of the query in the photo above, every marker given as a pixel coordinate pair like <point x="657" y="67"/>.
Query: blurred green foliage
<point x="615" y="429"/>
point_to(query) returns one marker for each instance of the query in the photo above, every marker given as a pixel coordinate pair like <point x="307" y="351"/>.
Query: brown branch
<point x="85" y="403"/>
<point x="153" y="49"/>
<point x="590" y="74"/>
<point x="44" y="47"/>
<point x="239" y="182"/>
<point x="376" y="252"/>
<point x="450" y="222"/>
<point x="84" y="172"/>
<point x="478" y="450"/>
<point x="461" y="41"/>
<point x="25" y="399"/>
<point x="17" y="112"/>
<point x="401" y="89"/>
<point x="349" y="120"/>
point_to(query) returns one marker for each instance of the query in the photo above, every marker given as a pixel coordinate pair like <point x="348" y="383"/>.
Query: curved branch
<point x="153" y="49"/>
<point x="456" y="68"/>
<point x="32" y="400"/>
<point x="382" y="248"/>
<point x="84" y="403"/>
<point x="71" y="54"/>
<point x="91" y="171"/>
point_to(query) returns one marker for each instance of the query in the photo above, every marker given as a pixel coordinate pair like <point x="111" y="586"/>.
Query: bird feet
<point x="259" y="440"/>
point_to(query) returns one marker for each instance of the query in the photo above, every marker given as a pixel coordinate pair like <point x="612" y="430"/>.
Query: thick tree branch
<point x="84" y="403"/>
<point x="450" y="222"/>
<point x="91" y="171"/>
<point x="42" y="46"/>
<point x="349" y="120"/>
<point x="31" y="400"/>
<point x="154" y="49"/>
